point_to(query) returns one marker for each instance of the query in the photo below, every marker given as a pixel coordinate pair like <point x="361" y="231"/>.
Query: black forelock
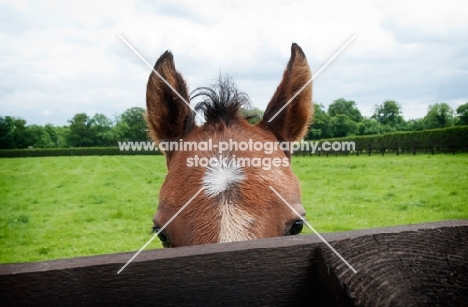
<point x="221" y="102"/>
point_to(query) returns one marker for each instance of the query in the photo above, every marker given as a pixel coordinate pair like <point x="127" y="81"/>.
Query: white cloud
<point x="59" y="59"/>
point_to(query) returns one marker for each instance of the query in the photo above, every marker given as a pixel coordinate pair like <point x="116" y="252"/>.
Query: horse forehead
<point x="222" y="175"/>
<point x="221" y="180"/>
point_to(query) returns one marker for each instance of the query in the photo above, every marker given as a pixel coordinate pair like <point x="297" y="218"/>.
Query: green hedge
<point x="446" y="140"/>
<point x="81" y="151"/>
<point x="437" y="140"/>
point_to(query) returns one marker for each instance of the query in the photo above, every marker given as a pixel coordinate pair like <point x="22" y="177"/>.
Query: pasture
<point x="60" y="207"/>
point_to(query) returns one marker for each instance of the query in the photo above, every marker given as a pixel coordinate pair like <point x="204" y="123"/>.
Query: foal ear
<point x="291" y="123"/>
<point x="168" y="116"/>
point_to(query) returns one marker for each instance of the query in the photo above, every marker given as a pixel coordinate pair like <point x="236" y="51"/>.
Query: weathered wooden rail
<point x="415" y="265"/>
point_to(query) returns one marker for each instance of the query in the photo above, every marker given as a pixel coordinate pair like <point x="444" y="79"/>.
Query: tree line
<point x="342" y="119"/>
<point x="82" y="131"/>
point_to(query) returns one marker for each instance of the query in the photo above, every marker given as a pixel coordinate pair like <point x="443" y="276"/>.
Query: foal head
<point x="233" y="176"/>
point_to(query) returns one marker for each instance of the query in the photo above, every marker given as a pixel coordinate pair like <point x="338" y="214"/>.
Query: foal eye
<point x="162" y="236"/>
<point x="296" y="228"/>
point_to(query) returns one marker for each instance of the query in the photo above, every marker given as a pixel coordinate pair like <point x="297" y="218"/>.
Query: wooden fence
<point x="415" y="265"/>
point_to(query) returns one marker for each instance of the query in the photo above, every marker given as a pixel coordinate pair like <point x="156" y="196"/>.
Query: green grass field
<point x="75" y="206"/>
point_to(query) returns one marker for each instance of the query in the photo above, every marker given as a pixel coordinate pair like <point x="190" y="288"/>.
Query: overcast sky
<point x="59" y="58"/>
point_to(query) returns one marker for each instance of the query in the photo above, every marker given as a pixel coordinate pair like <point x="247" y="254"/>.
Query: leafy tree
<point x="343" y="125"/>
<point x="40" y="138"/>
<point x="6" y="132"/>
<point x="415" y="124"/>
<point x="440" y="115"/>
<point x="63" y="135"/>
<point x="101" y="128"/>
<point x="134" y="119"/>
<point x="121" y="130"/>
<point x="253" y="115"/>
<point x="14" y="133"/>
<point x="58" y="135"/>
<point x="81" y="134"/>
<point x="321" y="125"/>
<point x="388" y="113"/>
<point x="368" y="126"/>
<point x="21" y="134"/>
<point x="462" y="114"/>
<point x="345" y="107"/>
